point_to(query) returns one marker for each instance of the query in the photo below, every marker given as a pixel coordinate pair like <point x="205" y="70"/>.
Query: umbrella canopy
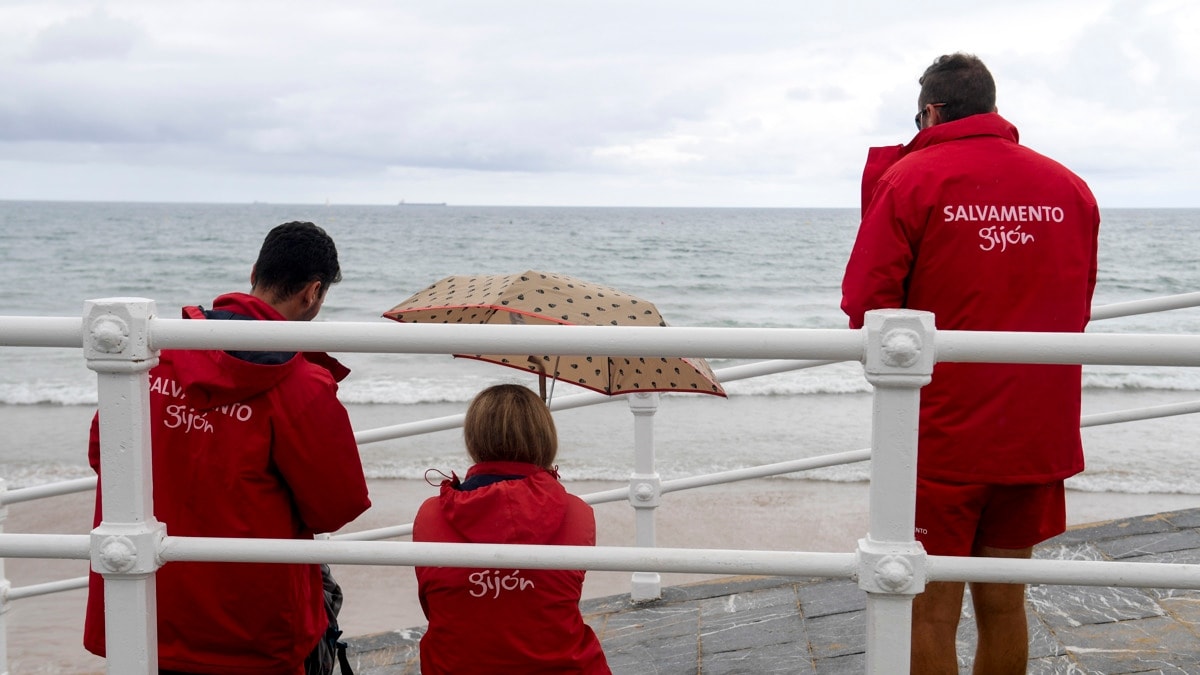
<point x="545" y="298"/>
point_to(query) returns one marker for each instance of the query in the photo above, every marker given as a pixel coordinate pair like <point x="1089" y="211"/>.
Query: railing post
<point x="891" y="565"/>
<point x="645" y="490"/>
<point x="5" y="587"/>
<point x="125" y="546"/>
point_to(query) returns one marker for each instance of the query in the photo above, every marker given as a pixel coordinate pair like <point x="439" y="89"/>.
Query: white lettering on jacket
<point x="188" y="418"/>
<point x="181" y="416"/>
<point x="1008" y="214"/>
<point x="993" y="237"/>
<point x="999" y="237"/>
<point x="160" y="385"/>
<point x="491" y="582"/>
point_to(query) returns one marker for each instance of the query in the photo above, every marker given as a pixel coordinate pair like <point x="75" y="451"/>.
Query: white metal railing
<point x="121" y="338"/>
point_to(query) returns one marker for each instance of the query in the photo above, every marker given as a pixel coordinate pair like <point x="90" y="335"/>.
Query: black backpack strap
<point x="343" y="660"/>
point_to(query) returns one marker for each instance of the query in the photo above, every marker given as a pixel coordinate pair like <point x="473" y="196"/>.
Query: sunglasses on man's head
<point x="920" y="117"/>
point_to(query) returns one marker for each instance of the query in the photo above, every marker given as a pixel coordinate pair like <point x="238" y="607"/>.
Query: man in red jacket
<point x="988" y="235"/>
<point x="248" y="444"/>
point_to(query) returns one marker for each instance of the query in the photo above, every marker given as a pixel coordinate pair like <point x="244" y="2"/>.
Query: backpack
<point x="330" y="648"/>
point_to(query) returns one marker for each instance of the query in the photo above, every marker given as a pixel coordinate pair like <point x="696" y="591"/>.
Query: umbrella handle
<point x="552" y="382"/>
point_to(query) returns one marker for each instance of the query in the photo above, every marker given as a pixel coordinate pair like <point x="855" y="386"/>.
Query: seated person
<point x="504" y="620"/>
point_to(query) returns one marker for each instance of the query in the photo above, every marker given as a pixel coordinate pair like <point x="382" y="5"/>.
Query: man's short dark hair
<point x="294" y="254"/>
<point x="961" y="83"/>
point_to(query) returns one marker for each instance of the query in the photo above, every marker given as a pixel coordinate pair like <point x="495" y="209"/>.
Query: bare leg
<point x="1003" y="647"/>
<point x="935" y="627"/>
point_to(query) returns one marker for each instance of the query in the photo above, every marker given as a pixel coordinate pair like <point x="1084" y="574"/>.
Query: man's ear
<point x="253" y="275"/>
<point x="312" y="292"/>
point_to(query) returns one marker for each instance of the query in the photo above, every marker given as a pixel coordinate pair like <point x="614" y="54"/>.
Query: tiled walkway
<point x="758" y="625"/>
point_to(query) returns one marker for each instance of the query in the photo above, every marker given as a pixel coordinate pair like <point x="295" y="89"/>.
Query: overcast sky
<point x="557" y="102"/>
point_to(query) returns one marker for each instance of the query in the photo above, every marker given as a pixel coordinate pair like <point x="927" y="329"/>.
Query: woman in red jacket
<point x="504" y="620"/>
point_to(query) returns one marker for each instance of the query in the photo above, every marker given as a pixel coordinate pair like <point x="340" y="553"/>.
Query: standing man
<point x="988" y="235"/>
<point x="248" y="444"/>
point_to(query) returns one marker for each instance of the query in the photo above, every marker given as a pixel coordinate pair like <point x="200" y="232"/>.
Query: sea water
<point x="700" y="266"/>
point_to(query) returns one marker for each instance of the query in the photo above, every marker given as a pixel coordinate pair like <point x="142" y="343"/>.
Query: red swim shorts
<point x="955" y="518"/>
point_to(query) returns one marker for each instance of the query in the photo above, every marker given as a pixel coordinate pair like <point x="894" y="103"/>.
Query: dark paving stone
<point x="664" y="657"/>
<point x="1075" y="551"/>
<point x="849" y="664"/>
<point x="1149" y="544"/>
<point x="831" y="597"/>
<point x="750" y="629"/>
<point x="386" y="653"/>
<point x="1112" y="529"/>
<point x="784" y="658"/>
<point x="1053" y="665"/>
<point x="1185" y="610"/>
<point x="1184" y="557"/>
<point x="674" y="626"/>
<point x="1066" y="606"/>
<point x="837" y="634"/>
<point x="1150" y="645"/>
<point x="1042" y="641"/>
<point x="1183" y="519"/>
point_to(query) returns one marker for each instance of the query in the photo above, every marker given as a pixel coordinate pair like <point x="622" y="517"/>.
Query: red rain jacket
<point x="242" y="449"/>
<point x="989" y="236"/>
<point x="491" y="621"/>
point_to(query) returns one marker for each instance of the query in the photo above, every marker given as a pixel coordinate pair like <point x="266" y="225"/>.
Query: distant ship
<point x="404" y="203"/>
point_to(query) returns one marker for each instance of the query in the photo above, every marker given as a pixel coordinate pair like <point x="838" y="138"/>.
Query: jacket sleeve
<point x="315" y="452"/>
<point x="880" y="262"/>
<point x="1091" y="287"/>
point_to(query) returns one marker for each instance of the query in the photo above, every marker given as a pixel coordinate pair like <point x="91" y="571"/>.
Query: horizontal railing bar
<point x="68" y="546"/>
<point x="781" y="343"/>
<point x="1135" y="349"/>
<point x="1064" y="572"/>
<point x="417" y="338"/>
<point x="617" y="494"/>
<point x="734" y="475"/>
<point x="41" y="331"/>
<point x="628" y="559"/>
<point x="1148" y="306"/>
<point x="376" y="534"/>
<point x="1136" y="414"/>
<point x="34" y="590"/>
<point x="33" y="492"/>
<point x="777" y="343"/>
<point x="512" y="556"/>
<point x="771" y="367"/>
<point x="767" y="470"/>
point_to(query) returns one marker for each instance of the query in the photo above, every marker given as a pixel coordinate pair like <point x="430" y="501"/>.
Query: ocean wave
<point x="32" y="474"/>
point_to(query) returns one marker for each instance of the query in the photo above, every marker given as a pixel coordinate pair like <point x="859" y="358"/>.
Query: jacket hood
<point x="525" y="510"/>
<point x="213" y="378"/>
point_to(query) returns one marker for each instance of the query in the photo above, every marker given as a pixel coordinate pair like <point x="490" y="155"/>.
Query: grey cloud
<point x="96" y="36"/>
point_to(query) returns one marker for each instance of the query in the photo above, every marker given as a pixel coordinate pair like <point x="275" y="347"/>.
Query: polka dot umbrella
<point x="545" y="298"/>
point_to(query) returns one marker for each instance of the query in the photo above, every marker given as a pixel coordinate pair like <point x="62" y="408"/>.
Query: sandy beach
<point x="45" y="633"/>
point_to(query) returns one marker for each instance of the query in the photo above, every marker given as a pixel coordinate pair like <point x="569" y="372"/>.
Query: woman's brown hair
<point x="510" y="423"/>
